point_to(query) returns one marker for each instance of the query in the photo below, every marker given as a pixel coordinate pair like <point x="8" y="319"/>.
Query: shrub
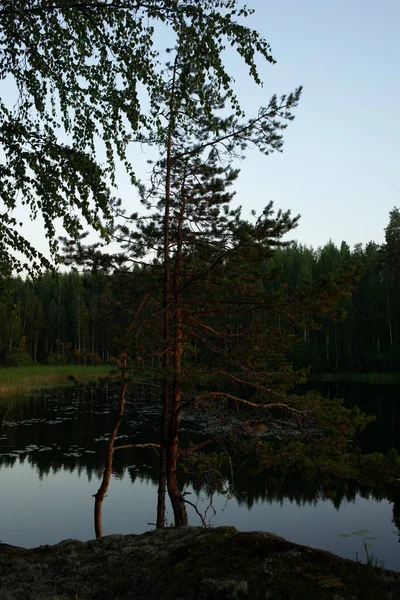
<point x="56" y="360"/>
<point x="18" y="357"/>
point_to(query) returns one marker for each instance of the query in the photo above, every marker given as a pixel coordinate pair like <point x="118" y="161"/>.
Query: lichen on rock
<point x="190" y="563"/>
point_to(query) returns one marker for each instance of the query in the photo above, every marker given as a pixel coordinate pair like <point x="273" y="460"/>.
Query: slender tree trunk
<point x="378" y="341"/>
<point x="105" y="482"/>
<point x="58" y="312"/>
<point x="35" y="344"/>
<point x="327" y="342"/>
<point x="93" y="342"/>
<point x="336" y="348"/>
<point x="165" y="400"/>
<point x="10" y="345"/>
<point x="389" y="317"/>
<point x="349" y="357"/>
<point x="177" y="500"/>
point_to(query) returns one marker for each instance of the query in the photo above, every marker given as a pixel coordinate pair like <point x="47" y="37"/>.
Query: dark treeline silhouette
<point x="365" y="335"/>
<point x="56" y="320"/>
<point x="75" y="317"/>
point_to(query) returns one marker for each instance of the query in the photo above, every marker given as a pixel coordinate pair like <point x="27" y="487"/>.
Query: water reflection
<point x="62" y="437"/>
<point x="396" y="512"/>
<point x="374" y="399"/>
<point x="108" y="462"/>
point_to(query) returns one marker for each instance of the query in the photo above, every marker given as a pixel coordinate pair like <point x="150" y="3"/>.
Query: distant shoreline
<point x="23" y="379"/>
<point x="377" y="378"/>
<point x="16" y="379"/>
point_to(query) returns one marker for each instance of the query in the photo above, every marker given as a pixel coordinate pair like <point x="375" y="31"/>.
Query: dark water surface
<point x="52" y="446"/>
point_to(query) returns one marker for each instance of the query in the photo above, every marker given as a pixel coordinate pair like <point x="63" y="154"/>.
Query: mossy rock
<point x="188" y="564"/>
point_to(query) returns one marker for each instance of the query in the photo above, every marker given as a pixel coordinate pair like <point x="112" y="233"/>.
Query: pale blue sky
<point x="341" y="162"/>
<point x="340" y="168"/>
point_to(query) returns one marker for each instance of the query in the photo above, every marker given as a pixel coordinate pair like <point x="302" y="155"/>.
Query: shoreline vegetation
<point x="23" y="379"/>
<point x="376" y="378"/>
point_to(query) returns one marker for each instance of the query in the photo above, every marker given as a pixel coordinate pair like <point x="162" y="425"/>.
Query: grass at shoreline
<point x="377" y="378"/>
<point x="14" y="380"/>
<point x="22" y="379"/>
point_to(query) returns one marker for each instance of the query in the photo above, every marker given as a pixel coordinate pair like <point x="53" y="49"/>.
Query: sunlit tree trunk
<point x="105" y="482"/>
<point x="165" y="410"/>
<point x="177" y="500"/>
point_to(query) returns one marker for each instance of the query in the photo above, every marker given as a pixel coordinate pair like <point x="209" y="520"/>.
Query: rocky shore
<point x="188" y="564"/>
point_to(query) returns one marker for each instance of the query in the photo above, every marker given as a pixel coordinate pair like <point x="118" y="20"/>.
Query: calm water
<point x="52" y="447"/>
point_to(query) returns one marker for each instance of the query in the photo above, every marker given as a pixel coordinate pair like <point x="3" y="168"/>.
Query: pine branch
<point x="136" y="446"/>
<point x="281" y="405"/>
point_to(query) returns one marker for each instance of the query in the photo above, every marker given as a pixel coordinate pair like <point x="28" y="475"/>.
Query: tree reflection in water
<point x="70" y="429"/>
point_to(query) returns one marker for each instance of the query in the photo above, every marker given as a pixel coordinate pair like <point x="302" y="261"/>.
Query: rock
<point x="191" y="563"/>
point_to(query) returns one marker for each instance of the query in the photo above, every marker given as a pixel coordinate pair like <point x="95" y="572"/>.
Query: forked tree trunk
<point x="105" y="482"/>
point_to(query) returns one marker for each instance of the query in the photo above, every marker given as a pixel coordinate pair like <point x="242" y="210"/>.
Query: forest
<point x="68" y="318"/>
<point x="205" y="303"/>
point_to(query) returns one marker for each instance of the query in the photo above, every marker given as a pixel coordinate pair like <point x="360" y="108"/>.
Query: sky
<point x="340" y="166"/>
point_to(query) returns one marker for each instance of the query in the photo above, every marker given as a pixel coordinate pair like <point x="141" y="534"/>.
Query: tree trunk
<point x="165" y="412"/>
<point x="336" y="348"/>
<point x="327" y="342"/>
<point x="105" y="482"/>
<point x="93" y="344"/>
<point x="35" y="344"/>
<point x="389" y="317"/>
<point x="378" y="341"/>
<point x="177" y="500"/>
<point x="58" y="312"/>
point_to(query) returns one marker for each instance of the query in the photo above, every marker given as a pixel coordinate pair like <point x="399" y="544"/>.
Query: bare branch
<point x="136" y="446"/>
<point x="199" y="446"/>
<point x="267" y="406"/>
<point x="197" y="511"/>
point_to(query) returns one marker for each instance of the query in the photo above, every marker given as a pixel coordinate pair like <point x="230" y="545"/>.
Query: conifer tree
<point x="221" y="344"/>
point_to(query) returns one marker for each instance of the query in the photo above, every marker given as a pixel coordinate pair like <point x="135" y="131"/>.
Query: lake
<point x="52" y="446"/>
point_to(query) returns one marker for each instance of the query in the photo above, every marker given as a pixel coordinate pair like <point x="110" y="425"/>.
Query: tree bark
<point x="177" y="500"/>
<point x="165" y="400"/>
<point x="105" y="482"/>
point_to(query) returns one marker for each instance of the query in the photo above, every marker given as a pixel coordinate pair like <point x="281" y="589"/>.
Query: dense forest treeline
<point x="365" y="335"/>
<point x="72" y="317"/>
